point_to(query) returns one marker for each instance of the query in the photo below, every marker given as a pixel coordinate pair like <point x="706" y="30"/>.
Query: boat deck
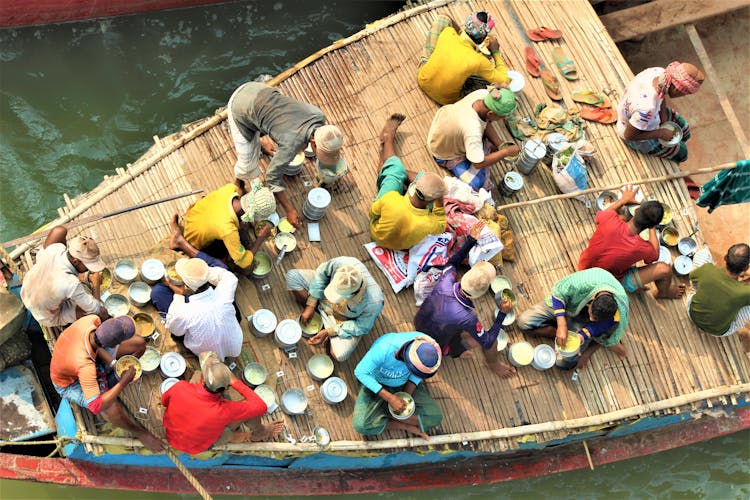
<point x="359" y="82"/>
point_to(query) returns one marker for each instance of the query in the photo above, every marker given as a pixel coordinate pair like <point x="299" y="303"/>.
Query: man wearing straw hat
<point x="218" y="223"/>
<point x="397" y="362"/>
<point x="462" y="139"/>
<point x="261" y="118"/>
<point x="453" y="63"/>
<point x="347" y="298"/>
<point x="53" y="290"/>
<point x="83" y="354"/>
<point x="199" y="415"/>
<point x="449" y="316"/>
<point x="400" y="217"/>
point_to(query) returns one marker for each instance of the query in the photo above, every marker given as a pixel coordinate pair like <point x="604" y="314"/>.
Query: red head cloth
<point x="676" y="74"/>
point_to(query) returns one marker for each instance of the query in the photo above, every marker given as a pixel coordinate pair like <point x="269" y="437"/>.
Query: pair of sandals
<point x="601" y="111"/>
<point x="536" y="69"/>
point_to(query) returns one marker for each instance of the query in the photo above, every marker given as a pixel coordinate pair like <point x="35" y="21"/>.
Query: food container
<point x="144" y="324"/>
<point x="638" y="195"/>
<point x="316" y="204"/>
<point x="254" y="374"/>
<point x="268" y="396"/>
<point x="669" y="236"/>
<point x="258" y="227"/>
<point x="171" y="274"/>
<point x="555" y="142"/>
<point x="532" y="151"/>
<point x="139" y="293"/>
<point x="313" y="326"/>
<point x="106" y="279"/>
<point x="544" y="357"/>
<point x="285" y="226"/>
<point x="605" y="199"/>
<point x="126" y="271"/>
<point x="517" y="81"/>
<point x="410" y="407"/>
<point x="667" y="217"/>
<point x="126" y="362"/>
<point x="502" y="340"/>
<point x="567" y="355"/>
<point x="167" y="383"/>
<point x="509" y="318"/>
<point x="295" y="166"/>
<point x="263" y="265"/>
<point x="287" y="333"/>
<point x="262" y="322"/>
<point x="285" y="243"/>
<point x="665" y="255"/>
<point x="152" y="271"/>
<point x="512" y="183"/>
<point x="172" y="364"/>
<point x="687" y="246"/>
<point x="683" y="265"/>
<point x="150" y="359"/>
<point x="677" y="136"/>
<point x="333" y="390"/>
<point x="520" y="354"/>
<point x="293" y="402"/>
<point x="500" y="283"/>
<point x="117" y="305"/>
<point x="320" y="367"/>
<point x="644" y="234"/>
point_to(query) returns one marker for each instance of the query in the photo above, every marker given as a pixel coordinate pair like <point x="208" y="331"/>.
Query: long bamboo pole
<point x="651" y="180"/>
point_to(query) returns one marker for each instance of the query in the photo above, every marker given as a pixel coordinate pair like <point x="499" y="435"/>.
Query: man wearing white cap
<point x="53" y="290"/>
<point x="218" y="224"/>
<point x="202" y="308"/>
<point x="397" y="362"/>
<point x="347" y="298"/>
<point x="262" y="118"/>
<point x="400" y="218"/>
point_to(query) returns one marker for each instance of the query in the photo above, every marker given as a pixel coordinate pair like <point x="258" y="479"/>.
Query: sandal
<point x="566" y="65"/>
<point x="600" y="115"/>
<point x="532" y="62"/>
<point x="543" y="33"/>
<point x="591" y="97"/>
<point x="551" y="85"/>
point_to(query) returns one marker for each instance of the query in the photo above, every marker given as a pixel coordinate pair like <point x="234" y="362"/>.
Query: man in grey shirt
<point x="257" y="113"/>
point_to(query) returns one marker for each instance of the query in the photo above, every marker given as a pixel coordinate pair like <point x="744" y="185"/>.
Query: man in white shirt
<point x="53" y="290"/>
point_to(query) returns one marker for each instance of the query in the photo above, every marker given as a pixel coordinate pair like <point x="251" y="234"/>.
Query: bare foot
<point x="619" y="349"/>
<point x="502" y="369"/>
<point x="268" y="431"/>
<point x="391" y="125"/>
<point x="240" y="437"/>
<point x="466" y="355"/>
<point x="416" y="430"/>
<point x="674" y="292"/>
<point x="175" y="239"/>
<point x="151" y="442"/>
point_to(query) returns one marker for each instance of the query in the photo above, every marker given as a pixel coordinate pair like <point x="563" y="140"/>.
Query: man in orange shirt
<point x="83" y="353"/>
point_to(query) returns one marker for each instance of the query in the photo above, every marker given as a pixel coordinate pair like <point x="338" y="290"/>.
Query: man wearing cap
<point x="347" y="297"/>
<point x="201" y="309"/>
<point x="397" y="362"/>
<point x="83" y="353"/>
<point x="261" y="117"/>
<point x="462" y="140"/>
<point x="451" y="56"/>
<point x="53" y="290"/>
<point x="399" y="217"/>
<point x="199" y="415"/>
<point x="449" y="316"/>
<point x="218" y="223"/>
<point x="643" y="110"/>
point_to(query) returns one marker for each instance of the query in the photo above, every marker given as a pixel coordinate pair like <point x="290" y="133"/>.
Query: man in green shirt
<point x="721" y="302"/>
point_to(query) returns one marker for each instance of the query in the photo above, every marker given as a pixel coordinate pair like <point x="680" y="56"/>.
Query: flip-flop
<point x="543" y="33"/>
<point x="601" y="115"/>
<point x="566" y="65"/>
<point x="551" y="85"/>
<point x="532" y="62"/>
<point x="591" y="97"/>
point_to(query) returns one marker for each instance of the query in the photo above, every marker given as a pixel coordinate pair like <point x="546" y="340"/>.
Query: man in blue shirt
<point x="397" y="362"/>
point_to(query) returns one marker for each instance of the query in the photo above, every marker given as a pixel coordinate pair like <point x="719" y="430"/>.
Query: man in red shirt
<point x="616" y="246"/>
<point x="197" y="415"/>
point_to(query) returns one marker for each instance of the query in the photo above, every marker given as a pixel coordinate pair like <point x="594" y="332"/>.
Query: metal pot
<point x="333" y="390"/>
<point x="117" y="305"/>
<point x="144" y="324"/>
<point x="262" y="322"/>
<point x="172" y="365"/>
<point x="544" y="357"/>
<point x="263" y="265"/>
<point x="520" y="354"/>
<point x="294" y="402"/>
<point x="139" y="293"/>
<point x="287" y="334"/>
<point x="150" y="359"/>
<point x="320" y="367"/>
<point x="126" y="271"/>
<point x="254" y="374"/>
<point x="152" y="271"/>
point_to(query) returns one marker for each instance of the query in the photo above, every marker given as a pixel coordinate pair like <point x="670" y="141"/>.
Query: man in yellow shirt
<point x="450" y="58"/>
<point x="401" y="218"/>
<point x="217" y="223"/>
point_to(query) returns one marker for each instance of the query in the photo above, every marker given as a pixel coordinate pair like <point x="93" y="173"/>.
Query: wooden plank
<point x="660" y="14"/>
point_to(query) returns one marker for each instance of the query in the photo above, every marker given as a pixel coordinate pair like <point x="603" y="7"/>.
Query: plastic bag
<point x="569" y="171"/>
<point x="393" y="263"/>
<point x="425" y="283"/>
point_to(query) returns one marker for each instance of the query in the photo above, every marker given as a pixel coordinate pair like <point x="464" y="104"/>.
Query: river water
<point x="79" y="99"/>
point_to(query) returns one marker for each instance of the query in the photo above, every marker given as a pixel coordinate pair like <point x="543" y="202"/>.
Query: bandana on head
<point x="259" y="203"/>
<point x="476" y="28"/>
<point x="675" y="74"/>
<point x="500" y="101"/>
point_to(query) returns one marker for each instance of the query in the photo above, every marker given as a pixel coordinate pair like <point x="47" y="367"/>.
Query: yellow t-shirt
<point x="396" y="224"/>
<point x="213" y="218"/>
<point x="451" y="63"/>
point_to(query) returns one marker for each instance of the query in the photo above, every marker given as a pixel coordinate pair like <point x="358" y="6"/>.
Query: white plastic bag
<point x="393" y="263"/>
<point x="487" y="246"/>
<point x="570" y="177"/>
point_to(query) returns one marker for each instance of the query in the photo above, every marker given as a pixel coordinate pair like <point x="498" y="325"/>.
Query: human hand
<point x="666" y="134"/>
<point x="319" y="338"/>
<point x="294" y="219"/>
<point x="128" y="376"/>
<point x="511" y="150"/>
<point x="178" y="289"/>
<point x="629" y="193"/>
<point x="397" y="403"/>
<point x="562" y="335"/>
<point x="476" y="229"/>
<point x="268" y="146"/>
<point x="306" y="315"/>
<point x="506" y="306"/>
<point x="95" y="279"/>
<point x="493" y="44"/>
<point x="264" y="232"/>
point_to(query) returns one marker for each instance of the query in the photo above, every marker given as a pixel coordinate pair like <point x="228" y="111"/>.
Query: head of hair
<point x="738" y="258"/>
<point x="603" y="307"/>
<point x="649" y="215"/>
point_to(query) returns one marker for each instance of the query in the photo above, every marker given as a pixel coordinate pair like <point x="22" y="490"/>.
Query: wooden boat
<point x="677" y="386"/>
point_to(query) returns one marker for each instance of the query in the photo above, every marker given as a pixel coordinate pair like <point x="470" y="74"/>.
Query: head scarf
<point x="500" y="101"/>
<point x="676" y="74"/>
<point x="258" y="204"/>
<point x="476" y="28"/>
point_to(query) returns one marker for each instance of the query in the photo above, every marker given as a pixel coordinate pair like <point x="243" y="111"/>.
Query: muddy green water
<point x="79" y="99"/>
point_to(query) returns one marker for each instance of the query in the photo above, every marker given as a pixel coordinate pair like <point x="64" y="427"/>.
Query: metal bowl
<point x="500" y="283"/>
<point x="254" y="374"/>
<point x="267" y="394"/>
<point x="517" y="81"/>
<point x="665" y="255"/>
<point x="605" y="199"/>
<point x="320" y="367"/>
<point x="117" y="305"/>
<point x="167" y="383"/>
<point x="313" y="326"/>
<point x="287" y="240"/>
<point x="683" y="265"/>
<point x="677" y="136"/>
<point x="106" y="279"/>
<point x="669" y="236"/>
<point x="294" y="402"/>
<point x="410" y="406"/>
<point x="150" y="359"/>
<point x="126" y="271"/>
<point x="502" y="340"/>
<point x="152" y="271"/>
<point x="333" y="390"/>
<point x="144" y="324"/>
<point x="687" y="246"/>
<point x="667" y="217"/>
<point x="139" y="293"/>
<point x="171" y="274"/>
<point x="263" y="265"/>
<point x="126" y="362"/>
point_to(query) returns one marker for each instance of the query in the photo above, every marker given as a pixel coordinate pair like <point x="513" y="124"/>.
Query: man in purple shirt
<point x="448" y="314"/>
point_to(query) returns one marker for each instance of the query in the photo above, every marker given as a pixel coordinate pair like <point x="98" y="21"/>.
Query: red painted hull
<point x="480" y="470"/>
<point x="14" y="13"/>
